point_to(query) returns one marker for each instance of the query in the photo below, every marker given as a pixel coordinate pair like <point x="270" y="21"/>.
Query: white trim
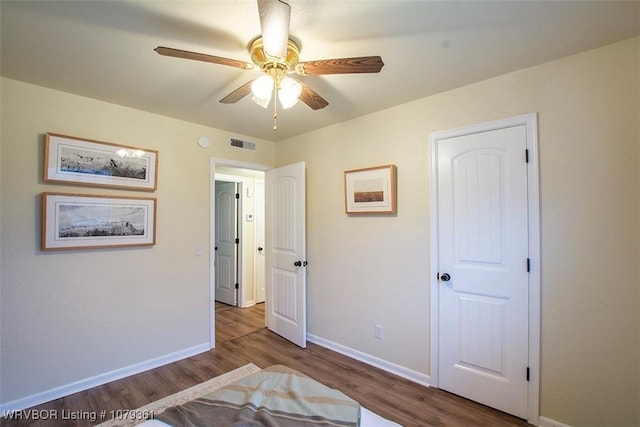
<point x="434" y="288"/>
<point x="548" y="422"/>
<point x="535" y="278"/>
<point x="259" y="220"/>
<point x="387" y="366"/>
<point x="212" y="254"/>
<point x="531" y="123"/>
<point x="87" y="383"/>
<point x="241" y="165"/>
<point x="212" y="232"/>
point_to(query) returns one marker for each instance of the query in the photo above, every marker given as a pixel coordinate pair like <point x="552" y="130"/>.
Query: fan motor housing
<point x="266" y="63"/>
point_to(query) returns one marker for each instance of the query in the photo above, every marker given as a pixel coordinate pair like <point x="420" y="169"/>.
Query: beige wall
<point x="71" y="315"/>
<point x="377" y="267"/>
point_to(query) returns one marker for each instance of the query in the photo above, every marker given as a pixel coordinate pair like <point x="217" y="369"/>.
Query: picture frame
<point x="87" y="162"/>
<point x="370" y="190"/>
<point x="81" y="221"/>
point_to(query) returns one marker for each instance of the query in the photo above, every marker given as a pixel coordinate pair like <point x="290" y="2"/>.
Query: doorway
<point x="247" y="179"/>
<point x="239" y="236"/>
<point x="485" y="264"/>
<point x="284" y="250"/>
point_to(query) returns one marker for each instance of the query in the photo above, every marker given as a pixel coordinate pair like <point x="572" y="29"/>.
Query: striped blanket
<point x="275" y="396"/>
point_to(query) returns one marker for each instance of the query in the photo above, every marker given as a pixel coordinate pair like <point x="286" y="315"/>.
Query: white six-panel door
<point x="286" y="252"/>
<point x="483" y="252"/>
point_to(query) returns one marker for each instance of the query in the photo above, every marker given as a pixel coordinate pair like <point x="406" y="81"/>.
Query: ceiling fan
<point x="276" y="55"/>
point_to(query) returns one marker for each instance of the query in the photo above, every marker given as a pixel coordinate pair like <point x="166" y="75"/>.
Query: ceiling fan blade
<point x="311" y="98"/>
<point x="237" y="94"/>
<point x="185" y="54"/>
<point x="362" y="64"/>
<point x="275" y="16"/>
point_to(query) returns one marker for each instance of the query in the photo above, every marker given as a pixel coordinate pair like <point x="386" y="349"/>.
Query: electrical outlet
<point x="198" y="250"/>
<point x="378" y="332"/>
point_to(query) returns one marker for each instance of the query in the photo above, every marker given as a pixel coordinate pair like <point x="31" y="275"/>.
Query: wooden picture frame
<point x="370" y="190"/>
<point x="79" y="161"/>
<point x="80" y="221"/>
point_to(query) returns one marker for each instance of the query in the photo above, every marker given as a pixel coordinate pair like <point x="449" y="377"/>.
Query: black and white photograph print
<point x="79" y="161"/>
<point x="105" y="163"/>
<point x="77" y="220"/>
<point x="74" y="221"/>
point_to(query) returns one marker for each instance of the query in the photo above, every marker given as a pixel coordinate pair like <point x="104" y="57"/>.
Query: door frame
<point x="213" y="161"/>
<point x="533" y="197"/>
<point x="259" y="268"/>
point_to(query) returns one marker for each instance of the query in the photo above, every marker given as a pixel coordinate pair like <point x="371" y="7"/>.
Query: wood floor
<point x="241" y="338"/>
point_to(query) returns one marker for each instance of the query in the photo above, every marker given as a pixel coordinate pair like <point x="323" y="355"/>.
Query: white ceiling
<point x="104" y="50"/>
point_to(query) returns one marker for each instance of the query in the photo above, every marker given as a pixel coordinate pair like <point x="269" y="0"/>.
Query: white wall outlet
<point x="198" y="250"/>
<point x="379" y="332"/>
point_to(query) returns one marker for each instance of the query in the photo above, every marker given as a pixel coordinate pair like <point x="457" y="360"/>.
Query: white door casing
<point x="286" y="252"/>
<point x="259" y="227"/>
<point x="226" y="255"/>
<point x="485" y="314"/>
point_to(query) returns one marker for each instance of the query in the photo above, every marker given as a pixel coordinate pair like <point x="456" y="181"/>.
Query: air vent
<point x="245" y="145"/>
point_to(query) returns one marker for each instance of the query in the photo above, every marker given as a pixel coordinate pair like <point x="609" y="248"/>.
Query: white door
<point x="226" y="233"/>
<point x="483" y="264"/>
<point x="286" y="253"/>
<point x="259" y="241"/>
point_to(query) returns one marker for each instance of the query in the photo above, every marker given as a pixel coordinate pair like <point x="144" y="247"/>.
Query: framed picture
<point x="78" y="161"/>
<point x="370" y="190"/>
<point x="78" y="221"/>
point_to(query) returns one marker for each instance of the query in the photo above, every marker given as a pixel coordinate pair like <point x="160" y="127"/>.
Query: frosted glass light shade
<point x="262" y="89"/>
<point x="289" y="92"/>
<point x="263" y="102"/>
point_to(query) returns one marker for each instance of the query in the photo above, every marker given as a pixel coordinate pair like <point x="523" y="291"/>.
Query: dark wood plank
<point x="247" y="340"/>
<point x="234" y="322"/>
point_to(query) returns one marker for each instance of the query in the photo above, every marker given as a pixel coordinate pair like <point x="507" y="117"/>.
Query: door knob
<point x="260" y="248"/>
<point x="298" y="263"/>
<point x="445" y="277"/>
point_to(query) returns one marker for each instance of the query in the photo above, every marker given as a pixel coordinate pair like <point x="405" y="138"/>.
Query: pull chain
<point x="275" y="109"/>
<point x="276" y="86"/>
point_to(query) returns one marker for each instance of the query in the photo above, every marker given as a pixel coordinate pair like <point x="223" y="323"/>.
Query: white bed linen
<point x="370" y="419"/>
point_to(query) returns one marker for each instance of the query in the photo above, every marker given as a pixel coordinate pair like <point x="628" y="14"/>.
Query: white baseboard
<point x="74" y="387"/>
<point x="401" y="371"/>
<point x="547" y="422"/>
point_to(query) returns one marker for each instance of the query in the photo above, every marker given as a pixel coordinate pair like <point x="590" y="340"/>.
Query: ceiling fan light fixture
<point x="289" y="92"/>
<point x="263" y="102"/>
<point x="275" y="54"/>
<point x="262" y="89"/>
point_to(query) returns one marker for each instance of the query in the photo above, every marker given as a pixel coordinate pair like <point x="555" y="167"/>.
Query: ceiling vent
<point x="246" y="145"/>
